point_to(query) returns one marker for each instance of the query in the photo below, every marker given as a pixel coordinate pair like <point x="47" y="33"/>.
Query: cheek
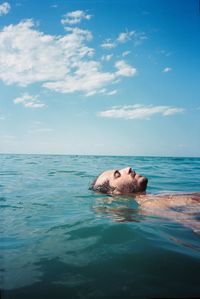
<point x="126" y="185"/>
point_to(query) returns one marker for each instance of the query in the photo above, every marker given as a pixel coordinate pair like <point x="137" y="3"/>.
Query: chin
<point x="135" y="189"/>
<point x="143" y="184"/>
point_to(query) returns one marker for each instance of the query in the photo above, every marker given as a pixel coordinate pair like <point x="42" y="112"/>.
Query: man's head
<point x="123" y="181"/>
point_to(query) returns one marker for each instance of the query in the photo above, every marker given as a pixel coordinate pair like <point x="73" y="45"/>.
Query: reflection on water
<point x="185" y="244"/>
<point x="120" y="209"/>
<point x="124" y="209"/>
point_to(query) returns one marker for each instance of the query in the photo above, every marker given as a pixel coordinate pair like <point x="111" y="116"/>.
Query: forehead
<point x="104" y="176"/>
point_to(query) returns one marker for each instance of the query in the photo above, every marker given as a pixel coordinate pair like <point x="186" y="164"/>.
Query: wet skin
<point x="123" y="181"/>
<point x="127" y="181"/>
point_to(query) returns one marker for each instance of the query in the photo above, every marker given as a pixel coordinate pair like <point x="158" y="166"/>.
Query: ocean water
<point x="61" y="240"/>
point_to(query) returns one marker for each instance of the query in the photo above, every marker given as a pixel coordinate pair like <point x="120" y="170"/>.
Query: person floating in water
<point x="182" y="207"/>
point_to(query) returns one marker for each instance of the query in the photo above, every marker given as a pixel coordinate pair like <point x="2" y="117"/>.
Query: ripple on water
<point x="9" y="173"/>
<point x="57" y="233"/>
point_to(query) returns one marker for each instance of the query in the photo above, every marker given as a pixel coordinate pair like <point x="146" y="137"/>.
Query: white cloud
<point x="123" y="37"/>
<point x="126" y="53"/>
<point x="138" y="38"/>
<point x="4" y="8"/>
<point x="75" y="17"/>
<point x="104" y="91"/>
<point x="29" y="101"/>
<point x="87" y="79"/>
<point x="61" y="63"/>
<point x="107" y="57"/>
<point x="124" y="69"/>
<point x="28" y="56"/>
<point x="139" y="111"/>
<point x="167" y="70"/>
<point x="108" y="45"/>
<point x="111" y="93"/>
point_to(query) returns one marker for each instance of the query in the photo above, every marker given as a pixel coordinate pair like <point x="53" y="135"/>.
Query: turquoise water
<point x="61" y="240"/>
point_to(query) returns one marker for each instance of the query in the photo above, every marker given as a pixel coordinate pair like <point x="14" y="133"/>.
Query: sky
<point x="104" y="77"/>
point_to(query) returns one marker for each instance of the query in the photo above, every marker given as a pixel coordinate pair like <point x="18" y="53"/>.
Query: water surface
<point x="61" y="240"/>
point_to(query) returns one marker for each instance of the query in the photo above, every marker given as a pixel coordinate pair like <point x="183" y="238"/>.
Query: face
<point x="123" y="181"/>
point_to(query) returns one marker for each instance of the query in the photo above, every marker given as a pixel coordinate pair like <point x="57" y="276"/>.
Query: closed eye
<point x="117" y="174"/>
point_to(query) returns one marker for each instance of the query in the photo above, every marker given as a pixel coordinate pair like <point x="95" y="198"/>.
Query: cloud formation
<point x="29" y="101"/>
<point x="167" y="70"/>
<point x="123" y="37"/>
<point x="112" y="92"/>
<point x="139" y="111"/>
<point x="124" y="69"/>
<point x="4" y="8"/>
<point x="108" y="45"/>
<point x="107" y="57"/>
<point x="61" y="63"/>
<point x="125" y="53"/>
<point x="75" y="17"/>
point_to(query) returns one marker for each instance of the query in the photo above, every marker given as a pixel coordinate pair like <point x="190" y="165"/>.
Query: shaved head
<point x="119" y="181"/>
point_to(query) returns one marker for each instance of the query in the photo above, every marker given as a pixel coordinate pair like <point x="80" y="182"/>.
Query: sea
<point x="59" y="239"/>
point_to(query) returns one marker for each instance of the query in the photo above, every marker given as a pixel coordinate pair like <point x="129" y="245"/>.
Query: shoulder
<point x="168" y="200"/>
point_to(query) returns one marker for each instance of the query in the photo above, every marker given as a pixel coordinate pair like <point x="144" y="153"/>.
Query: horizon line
<point x="101" y="155"/>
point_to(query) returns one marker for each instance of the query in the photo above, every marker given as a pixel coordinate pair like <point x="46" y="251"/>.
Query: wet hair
<point x="103" y="188"/>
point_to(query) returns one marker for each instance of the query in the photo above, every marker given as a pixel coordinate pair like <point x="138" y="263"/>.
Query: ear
<point x="117" y="174"/>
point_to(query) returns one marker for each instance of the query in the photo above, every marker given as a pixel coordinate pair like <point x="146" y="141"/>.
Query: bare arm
<point x="167" y="201"/>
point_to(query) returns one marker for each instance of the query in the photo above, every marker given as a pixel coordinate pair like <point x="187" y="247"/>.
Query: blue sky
<point x="100" y="77"/>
